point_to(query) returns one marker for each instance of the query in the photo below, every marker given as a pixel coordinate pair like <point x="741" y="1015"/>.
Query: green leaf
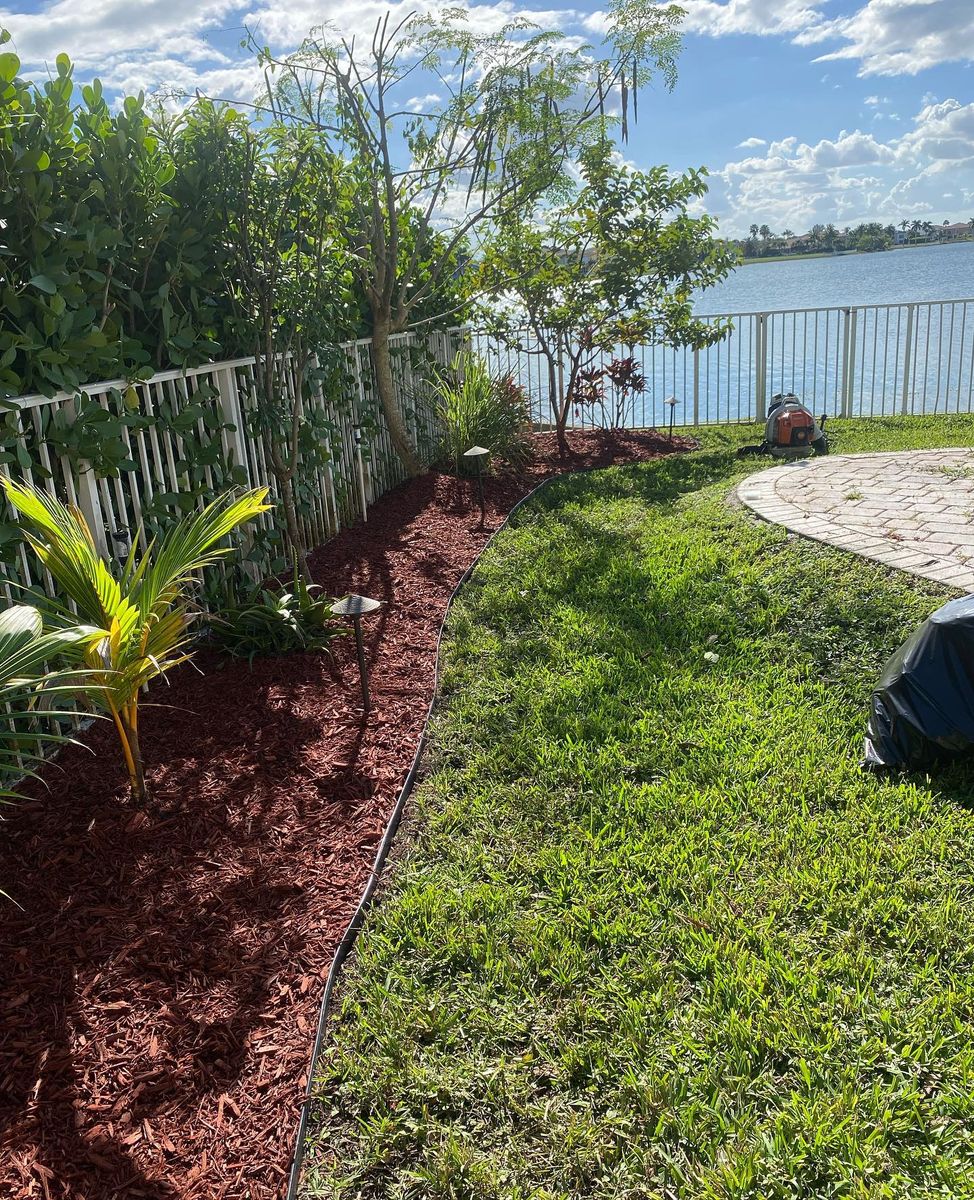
<point x="44" y="283"/>
<point x="9" y="66"/>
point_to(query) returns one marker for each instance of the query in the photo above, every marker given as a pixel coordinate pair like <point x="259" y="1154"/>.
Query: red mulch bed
<point x="161" y="980"/>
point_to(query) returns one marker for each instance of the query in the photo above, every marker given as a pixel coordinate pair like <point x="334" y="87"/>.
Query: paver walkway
<point x="912" y="509"/>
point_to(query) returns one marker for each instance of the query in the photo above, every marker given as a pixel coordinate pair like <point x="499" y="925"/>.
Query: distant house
<point x="960" y="229"/>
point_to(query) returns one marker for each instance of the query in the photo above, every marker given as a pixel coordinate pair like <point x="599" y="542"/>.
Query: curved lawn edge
<point x="350" y="936"/>
<point x="347" y="944"/>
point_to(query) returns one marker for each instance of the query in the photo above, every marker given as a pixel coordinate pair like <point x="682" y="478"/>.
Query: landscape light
<point x="354" y="608"/>
<point x="478" y="454"/>
<point x="672" y="402"/>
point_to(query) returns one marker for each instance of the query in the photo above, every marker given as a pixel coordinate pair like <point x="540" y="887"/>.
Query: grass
<point x="652" y="933"/>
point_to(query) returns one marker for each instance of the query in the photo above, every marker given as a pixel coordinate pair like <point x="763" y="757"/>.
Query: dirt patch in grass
<point x="161" y="978"/>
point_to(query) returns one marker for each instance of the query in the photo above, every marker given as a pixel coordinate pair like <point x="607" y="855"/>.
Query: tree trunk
<point x="293" y="528"/>
<point x="560" y="408"/>
<point x="127" y="722"/>
<point x="386" y="387"/>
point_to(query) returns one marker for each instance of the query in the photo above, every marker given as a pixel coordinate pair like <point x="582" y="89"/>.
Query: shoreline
<point x="773" y="258"/>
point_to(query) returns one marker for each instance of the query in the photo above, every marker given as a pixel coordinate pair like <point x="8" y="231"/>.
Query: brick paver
<point x="912" y="509"/>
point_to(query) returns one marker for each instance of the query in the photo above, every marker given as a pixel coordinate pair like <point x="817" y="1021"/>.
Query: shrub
<point x="477" y="409"/>
<point x="271" y="622"/>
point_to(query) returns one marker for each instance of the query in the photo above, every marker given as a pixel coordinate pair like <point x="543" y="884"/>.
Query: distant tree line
<point x="763" y="242"/>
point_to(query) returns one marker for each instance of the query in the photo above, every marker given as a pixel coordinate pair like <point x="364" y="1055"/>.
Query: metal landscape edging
<point x="354" y="926"/>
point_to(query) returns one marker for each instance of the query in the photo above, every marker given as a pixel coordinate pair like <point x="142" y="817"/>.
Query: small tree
<point x="136" y="619"/>
<point x="615" y="268"/>
<point x="517" y="105"/>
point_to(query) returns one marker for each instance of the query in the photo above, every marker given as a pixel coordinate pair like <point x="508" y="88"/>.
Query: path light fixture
<point x="353" y="608"/>
<point x="672" y="402"/>
<point x="479" y="454"/>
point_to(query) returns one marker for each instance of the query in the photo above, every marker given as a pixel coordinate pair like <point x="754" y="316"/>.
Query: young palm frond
<point x="26" y="655"/>
<point x="143" y="614"/>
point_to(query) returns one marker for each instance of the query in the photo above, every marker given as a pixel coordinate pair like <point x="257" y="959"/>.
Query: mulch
<point x="160" y="981"/>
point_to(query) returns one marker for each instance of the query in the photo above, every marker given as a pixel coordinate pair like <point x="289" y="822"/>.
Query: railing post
<point x="844" y="361"/>
<point x="850" y="367"/>
<point x="761" y="367"/>
<point x="696" y="385"/>
<point x="907" y="360"/>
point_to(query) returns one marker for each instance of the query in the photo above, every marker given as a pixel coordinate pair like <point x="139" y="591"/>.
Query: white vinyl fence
<point x="188" y="434"/>
<point x="867" y="360"/>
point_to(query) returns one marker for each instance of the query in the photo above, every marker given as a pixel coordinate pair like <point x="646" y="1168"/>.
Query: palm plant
<point x="26" y="652"/>
<point x="144" y="613"/>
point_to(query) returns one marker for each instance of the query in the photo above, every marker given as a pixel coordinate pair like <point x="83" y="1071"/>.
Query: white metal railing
<point x="861" y="360"/>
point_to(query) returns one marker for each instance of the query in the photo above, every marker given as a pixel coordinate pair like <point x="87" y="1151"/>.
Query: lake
<point x="896" y="338"/>
<point x="890" y="277"/>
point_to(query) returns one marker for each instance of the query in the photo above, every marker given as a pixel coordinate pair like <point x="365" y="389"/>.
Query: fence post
<point x="760" y="368"/>
<point x="86" y="491"/>
<point x="358" y="436"/>
<point x="907" y="359"/>
<point x="696" y="385"/>
<point x="232" y="413"/>
<point x="86" y="486"/>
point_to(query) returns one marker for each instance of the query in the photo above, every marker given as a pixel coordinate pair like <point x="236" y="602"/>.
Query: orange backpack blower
<point x="791" y="431"/>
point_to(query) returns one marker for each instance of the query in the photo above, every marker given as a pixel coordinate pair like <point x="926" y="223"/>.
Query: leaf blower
<point x="791" y="431"/>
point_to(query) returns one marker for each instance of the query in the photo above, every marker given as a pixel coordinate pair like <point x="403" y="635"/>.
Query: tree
<point x="615" y="267"/>
<point x="870" y="236"/>
<point x="518" y="106"/>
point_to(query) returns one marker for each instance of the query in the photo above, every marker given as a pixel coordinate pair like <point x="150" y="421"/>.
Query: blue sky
<point x="802" y="110"/>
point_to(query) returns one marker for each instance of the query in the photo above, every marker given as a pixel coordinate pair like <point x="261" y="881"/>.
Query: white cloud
<point x="886" y="37"/>
<point x="94" y="32"/>
<point x="749" y="16"/>
<point x="943" y="133"/>
<point x="750" y="143"/>
<point x="853" y="177"/>
<point x="899" y="37"/>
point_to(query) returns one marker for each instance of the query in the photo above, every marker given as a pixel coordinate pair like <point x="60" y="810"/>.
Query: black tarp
<point x="923" y="704"/>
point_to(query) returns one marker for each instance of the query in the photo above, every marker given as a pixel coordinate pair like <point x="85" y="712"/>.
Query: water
<point x="858" y="335"/>
<point x="910" y="274"/>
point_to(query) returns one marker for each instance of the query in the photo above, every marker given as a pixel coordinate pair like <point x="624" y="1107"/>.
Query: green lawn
<point x="651" y="932"/>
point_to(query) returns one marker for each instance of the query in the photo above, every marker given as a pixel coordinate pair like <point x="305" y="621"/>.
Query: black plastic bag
<point x="923" y="704"/>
